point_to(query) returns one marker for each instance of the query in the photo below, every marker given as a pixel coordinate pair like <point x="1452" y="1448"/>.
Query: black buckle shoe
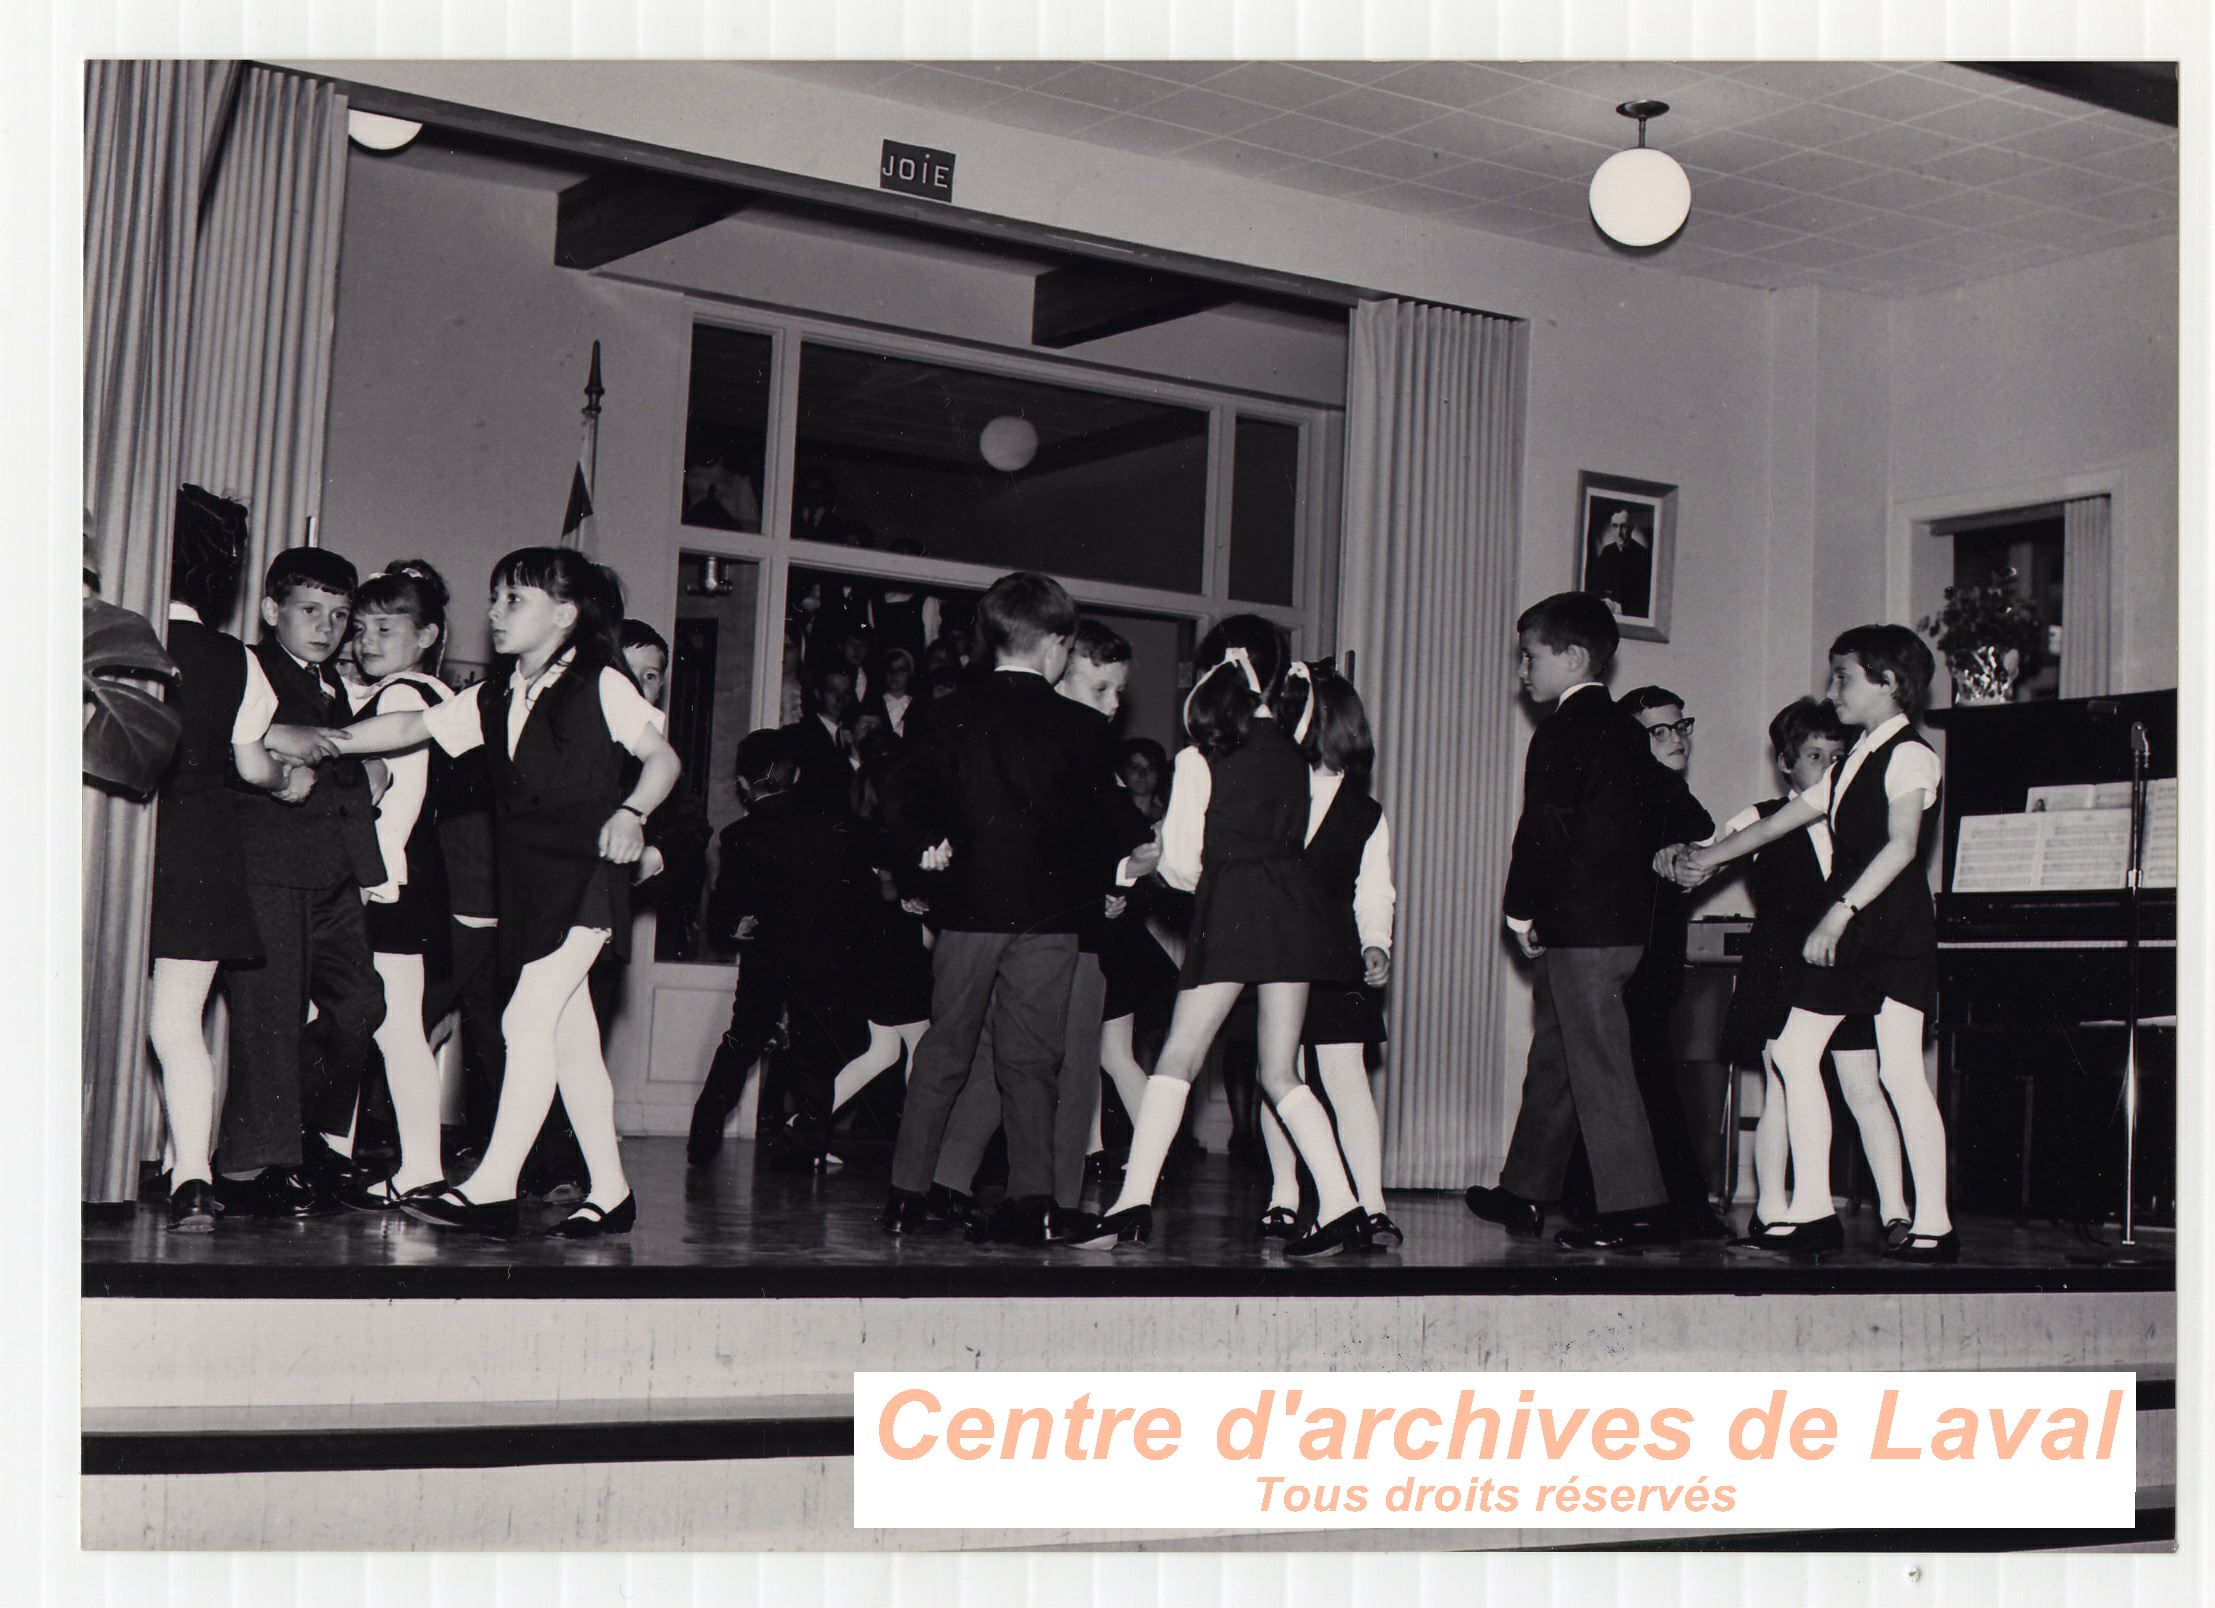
<point x="1384" y="1233"/>
<point x="1944" y="1247"/>
<point x="1525" y="1219"/>
<point x="1279" y="1222"/>
<point x="192" y="1208"/>
<point x="450" y="1208"/>
<point x="905" y="1213"/>
<point x="590" y="1222"/>
<point x="1812" y="1240"/>
<point x="1624" y="1233"/>
<point x="1133" y="1226"/>
<point x="1348" y="1232"/>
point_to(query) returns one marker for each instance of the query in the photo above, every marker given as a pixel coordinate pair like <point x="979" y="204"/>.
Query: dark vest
<point x="1334" y="857"/>
<point x="426" y="858"/>
<point x="212" y="681"/>
<point x="331" y="837"/>
<point x="1900" y="919"/>
<point x="1788" y="892"/>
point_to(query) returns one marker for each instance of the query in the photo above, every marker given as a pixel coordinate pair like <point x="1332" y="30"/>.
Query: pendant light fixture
<point x="1640" y="197"/>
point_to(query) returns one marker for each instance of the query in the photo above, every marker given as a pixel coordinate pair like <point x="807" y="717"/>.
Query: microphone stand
<point x="2126" y="1251"/>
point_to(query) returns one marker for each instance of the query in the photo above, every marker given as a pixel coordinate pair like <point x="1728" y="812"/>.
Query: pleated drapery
<point x="149" y="129"/>
<point x="211" y="237"/>
<point x="258" y="383"/>
<point x="2086" y="595"/>
<point x="1434" y="450"/>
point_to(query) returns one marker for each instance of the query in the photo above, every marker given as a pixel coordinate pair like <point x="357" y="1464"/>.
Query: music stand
<point x="2127" y="1252"/>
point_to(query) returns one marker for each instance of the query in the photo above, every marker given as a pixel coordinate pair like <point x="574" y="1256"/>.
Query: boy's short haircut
<point x="1640" y="699"/>
<point x="1574" y="620"/>
<point x="638" y="634"/>
<point x="1797" y="722"/>
<point x="1100" y="644"/>
<point x="824" y="666"/>
<point x="1894" y="650"/>
<point x="1024" y="610"/>
<point x="765" y="758"/>
<point x="309" y="566"/>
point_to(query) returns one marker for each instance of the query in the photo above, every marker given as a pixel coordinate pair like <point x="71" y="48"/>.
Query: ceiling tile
<point x="1145" y="135"/>
<point x="927" y="86"/>
<point x="1045" y="114"/>
<point x="2153" y="162"/>
<point x="1179" y="72"/>
<point x="1981" y="164"/>
<point x="1378" y="111"/>
<point x="1008" y="74"/>
<point x="1248" y="161"/>
<point x="1207" y="111"/>
<point x="2148" y="204"/>
<point x="1888" y="230"/>
<point x="1811" y="126"/>
<point x="1971" y="209"/>
<point x="1808" y="80"/>
<point x="1723" y="193"/>
<point x="1571" y="236"/>
<point x="1988" y="121"/>
<point x="1110" y="87"/>
<point x="1817" y="214"/>
<point x="2082" y="139"/>
<point x="2058" y="186"/>
<point x="1487" y="181"/>
<point x="1818" y="171"/>
<point x="1811" y="252"/>
<point x="1899" y="96"/>
<point x="1419" y="199"/>
<point x="1968" y="249"/>
<point x="1901" y="192"/>
<point x="1557" y="157"/>
<point x="1548" y="109"/>
<point x="1726" y="151"/>
<point x="1504" y="217"/>
<point x="1289" y="89"/>
<point x="1617" y="81"/>
<point x="1897" y="145"/>
<point x="1466" y="134"/>
<point x="1354" y="72"/>
<point x="2049" y="226"/>
<point x="1735" y="234"/>
<point x="839" y="74"/>
<point x="1393" y="160"/>
<point x="1562" y="198"/>
<point x="1454" y="85"/>
<point x="1713" y="103"/>
<point x="1308" y="137"/>
<point x="1320" y="178"/>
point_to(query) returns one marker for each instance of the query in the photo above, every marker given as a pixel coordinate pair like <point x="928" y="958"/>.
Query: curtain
<point x="1434" y="448"/>
<point x="2085" y="596"/>
<point x="212" y="211"/>
<point x="149" y="130"/>
<point x="263" y="305"/>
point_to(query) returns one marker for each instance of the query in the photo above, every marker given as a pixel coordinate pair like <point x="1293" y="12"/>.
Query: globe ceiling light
<point x="376" y="132"/>
<point x="1640" y="197"/>
<point x="1009" y="443"/>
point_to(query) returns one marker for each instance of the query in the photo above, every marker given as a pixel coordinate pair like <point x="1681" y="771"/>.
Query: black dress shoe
<point x="1384" y="1233"/>
<point x="1066" y="1225"/>
<point x="590" y="1222"/>
<point x="1817" y="1238"/>
<point x="273" y="1192"/>
<point x="192" y="1208"/>
<point x="947" y="1207"/>
<point x="1525" y="1219"/>
<point x="1944" y="1247"/>
<point x="379" y="1194"/>
<point x="1751" y="1239"/>
<point x="1347" y="1232"/>
<point x="1027" y="1220"/>
<point x="1132" y="1226"/>
<point x="1624" y="1232"/>
<point x="1280" y="1222"/>
<point x="905" y="1213"/>
<point x="450" y="1208"/>
<point x="1897" y="1232"/>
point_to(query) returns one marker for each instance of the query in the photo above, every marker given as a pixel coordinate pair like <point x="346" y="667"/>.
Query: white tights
<point x="410" y="1071"/>
<point x="885" y="1044"/>
<point x="1345" y="1075"/>
<point x="177" y="1009"/>
<point x="1119" y="1060"/>
<point x="1798" y="1053"/>
<point x="553" y="1042"/>
<point x="1880" y="1138"/>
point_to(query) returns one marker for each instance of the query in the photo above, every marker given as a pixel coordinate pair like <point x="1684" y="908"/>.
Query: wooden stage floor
<point x="728" y="1232"/>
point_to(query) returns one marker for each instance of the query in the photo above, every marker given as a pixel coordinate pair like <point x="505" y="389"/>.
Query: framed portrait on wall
<point x="1627" y="534"/>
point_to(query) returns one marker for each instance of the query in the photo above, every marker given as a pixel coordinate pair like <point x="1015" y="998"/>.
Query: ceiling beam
<point x="627" y="209"/>
<point x="2143" y="89"/>
<point x="1087" y="301"/>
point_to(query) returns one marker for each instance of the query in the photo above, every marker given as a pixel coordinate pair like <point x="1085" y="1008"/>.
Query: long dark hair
<point x="206" y="553"/>
<point x="567" y="576"/>
<point x="1339" y="736"/>
<point x="1219" y="714"/>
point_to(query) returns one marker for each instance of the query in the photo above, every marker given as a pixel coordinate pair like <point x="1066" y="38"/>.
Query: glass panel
<point x="726" y="422"/>
<point x="711" y="706"/>
<point x="2025" y="555"/>
<point x="1265" y="507"/>
<point x="916" y="457"/>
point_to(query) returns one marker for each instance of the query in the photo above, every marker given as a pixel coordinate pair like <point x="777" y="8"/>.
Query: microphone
<point x="2141" y="746"/>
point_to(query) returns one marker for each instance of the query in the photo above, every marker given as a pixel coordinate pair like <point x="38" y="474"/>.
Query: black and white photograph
<point x="707" y="778"/>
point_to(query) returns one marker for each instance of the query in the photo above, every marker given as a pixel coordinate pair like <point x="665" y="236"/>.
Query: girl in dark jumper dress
<point x="1237" y="819"/>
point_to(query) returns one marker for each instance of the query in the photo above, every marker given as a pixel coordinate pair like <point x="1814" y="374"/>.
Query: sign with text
<point x="917" y="170"/>
<point x="1738" y="1451"/>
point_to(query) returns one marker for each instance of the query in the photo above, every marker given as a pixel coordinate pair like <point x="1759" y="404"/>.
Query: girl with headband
<point x="1238" y="815"/>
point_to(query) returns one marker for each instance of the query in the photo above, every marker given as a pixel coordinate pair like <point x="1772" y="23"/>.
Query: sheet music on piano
<point x="2067" y="839"/>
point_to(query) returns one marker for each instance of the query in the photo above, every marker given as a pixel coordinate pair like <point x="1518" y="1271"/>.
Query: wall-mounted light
<point x="1640" y="197"/>
<point x="714" y="578"/>
<point x="1009" y="443"/>
<point x="373" y="131"/>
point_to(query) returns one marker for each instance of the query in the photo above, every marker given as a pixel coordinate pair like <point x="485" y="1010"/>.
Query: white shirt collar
<point x="184" y="611"/>
<point x="1880" y="733"/>
<point x="527" y="690"/>
<point x="1573" y="691"/>
<point x="1018" y="670"/>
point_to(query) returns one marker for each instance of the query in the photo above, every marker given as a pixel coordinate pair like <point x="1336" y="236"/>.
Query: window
<point x="1265" y="509"/>
<point x="711" y="702"/>
<point x="2022" y="548"/>
<point x="726" y="428"/>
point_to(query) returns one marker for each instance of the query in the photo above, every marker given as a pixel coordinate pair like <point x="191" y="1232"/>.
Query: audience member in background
<point x="822" y="747"/>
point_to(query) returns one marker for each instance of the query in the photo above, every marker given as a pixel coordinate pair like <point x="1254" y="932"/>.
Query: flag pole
<point x="594" y="390"/>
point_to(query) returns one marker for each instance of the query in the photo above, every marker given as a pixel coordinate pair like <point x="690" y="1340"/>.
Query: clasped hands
<point x="1683" y="864"/>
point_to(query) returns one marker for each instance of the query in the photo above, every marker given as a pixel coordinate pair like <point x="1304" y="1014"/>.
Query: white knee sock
<point x="1310" y="1127"/>
<point x="1880" y="1139"/>
<point x="1922" y="1130"/>
<point x="1346" y="1080"/>
<point x="1798" y="1052"/>
<point x="1160" y="1112"/>
<point x="176" y="1010"/>
<point x="1284" y="1161"/>
<point x="588" y="1095"/>
<point x="857" y="1074"/>
<point x="410" y="1072"/>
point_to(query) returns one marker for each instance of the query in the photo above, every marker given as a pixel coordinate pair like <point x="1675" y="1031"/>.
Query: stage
<point x="688" y="1385"/>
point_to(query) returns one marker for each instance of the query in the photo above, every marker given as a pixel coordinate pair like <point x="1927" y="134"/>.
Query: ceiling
<point x="1890" y="178"/>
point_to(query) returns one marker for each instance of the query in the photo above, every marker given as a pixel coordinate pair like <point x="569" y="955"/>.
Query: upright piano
<point x="2033" y="987"/>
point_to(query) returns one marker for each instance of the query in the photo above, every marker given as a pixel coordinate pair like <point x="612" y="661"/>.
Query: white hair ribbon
<point x="1307" y="709"/>
<point x="1236" y="656"/>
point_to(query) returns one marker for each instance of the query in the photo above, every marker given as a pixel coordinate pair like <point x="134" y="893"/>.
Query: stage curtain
<point x="150" y="130"/>
<point x="1434" y="448"/>
<point x="258" y="380"/>
<point x="2086" y="598"/>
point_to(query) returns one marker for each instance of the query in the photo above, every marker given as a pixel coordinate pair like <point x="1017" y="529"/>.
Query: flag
<point x="576" y="519"/>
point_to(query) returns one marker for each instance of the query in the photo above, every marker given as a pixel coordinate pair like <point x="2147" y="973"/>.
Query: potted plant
<point x="1989" y="634"/>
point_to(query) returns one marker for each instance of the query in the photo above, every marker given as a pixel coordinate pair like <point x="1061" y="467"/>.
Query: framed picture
<point x="1627" y="550"/>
